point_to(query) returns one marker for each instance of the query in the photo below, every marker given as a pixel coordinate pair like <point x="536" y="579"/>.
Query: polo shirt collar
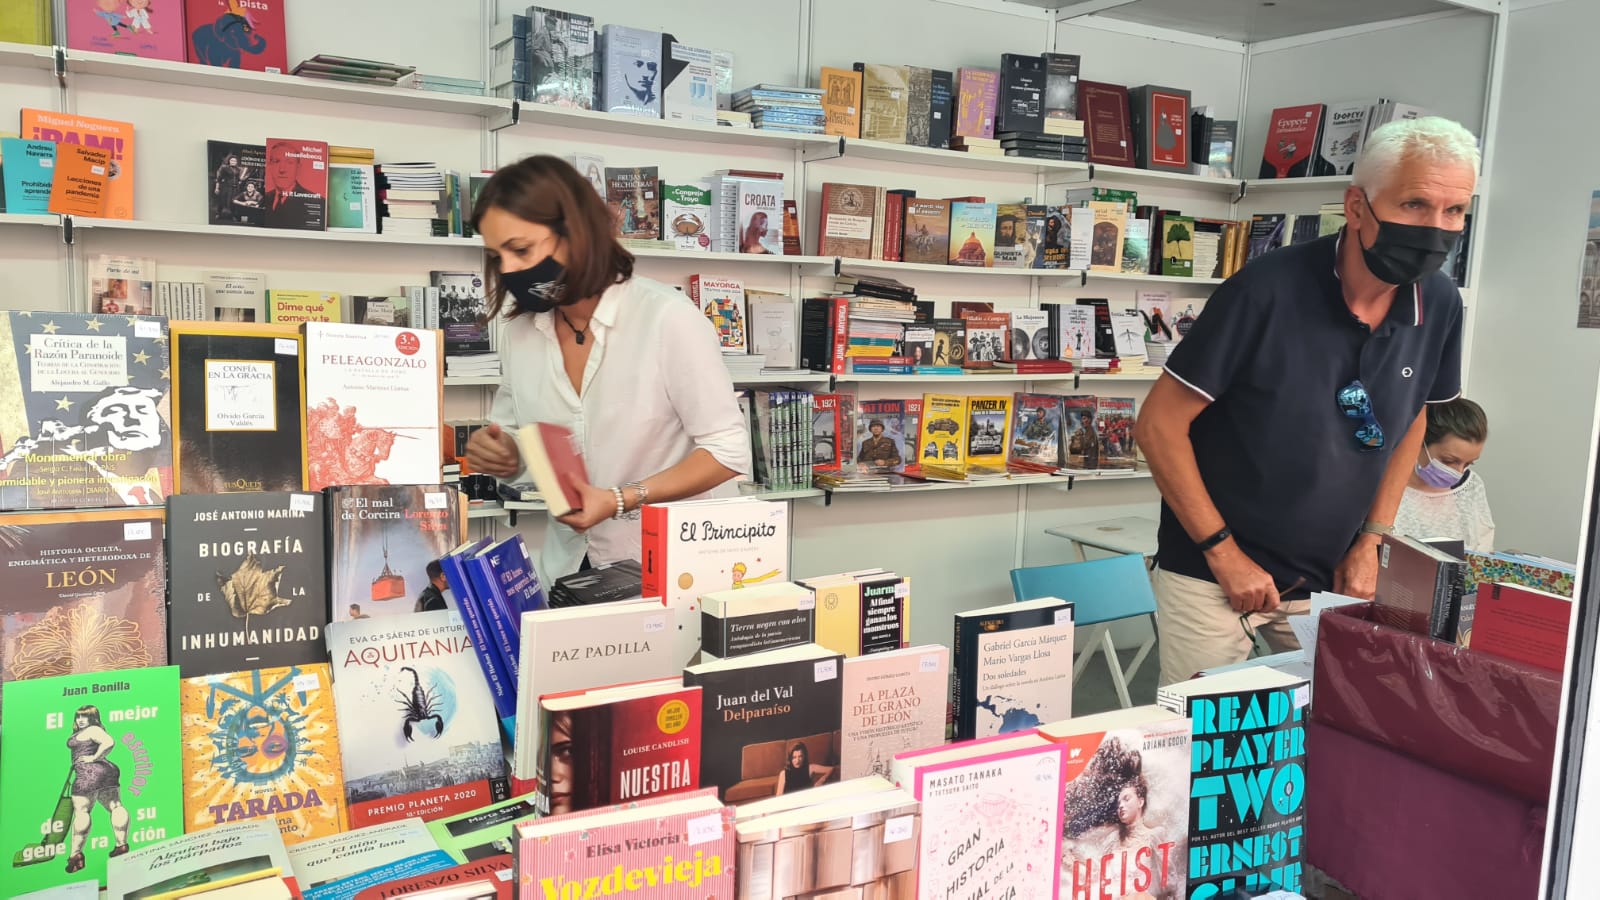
<point x="1407" y="313"/>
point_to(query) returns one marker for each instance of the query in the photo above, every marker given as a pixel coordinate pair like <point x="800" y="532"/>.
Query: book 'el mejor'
<point x="91" y="767"/>
<point x="419" y="736"/>
<point x="373" y="396"/>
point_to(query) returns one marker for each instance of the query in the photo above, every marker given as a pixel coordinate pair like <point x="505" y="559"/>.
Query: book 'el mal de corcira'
<point x="381" y="538"/>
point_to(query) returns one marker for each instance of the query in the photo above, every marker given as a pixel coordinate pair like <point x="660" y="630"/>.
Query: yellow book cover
<point x="869" y="352"/>
<point x="838" y="616"/>
<point x="25" y="21"/>
<point x="260" y="744"/>
<point x="943" y="439"/>
<point x="988" y="419"/>
<point x="110" y="135"/>
<point x="294" y="307"/>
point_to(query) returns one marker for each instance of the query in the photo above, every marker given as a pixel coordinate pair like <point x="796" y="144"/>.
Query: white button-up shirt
<point x="654" y="390"/>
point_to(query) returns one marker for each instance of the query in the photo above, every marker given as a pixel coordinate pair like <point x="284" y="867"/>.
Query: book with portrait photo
<point x="1035" y="444"/>
<point x="630" y="66"/>
<point x="618" y="744"/>
<point x="89" y="422"/>
<point x="772" y="722"/>
<point x="880" y="435"/>
<point x="236" y="185"/>
<point x="296" y="184"/>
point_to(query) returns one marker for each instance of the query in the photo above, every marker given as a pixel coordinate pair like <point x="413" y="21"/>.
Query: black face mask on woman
<point x="1406" y="254"/>
<point x="539" y="288"/>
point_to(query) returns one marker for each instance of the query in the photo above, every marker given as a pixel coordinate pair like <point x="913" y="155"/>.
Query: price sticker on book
<point x="286" y="346"/>
<point x="1064" y="616"/>
<point x="902" y="590"/>
<point x="436" y="500"/>
<point x="1302" y="696"/>
<point x="809" y="601"/>
<point x="98" y="170"/>
<point x="147" y="328"/>
<point x="45" y="163"/>
<point x="655" y="624"/>
<point x="355" y="206"/>
<point x="705" y="829"/>
<point x="899" y="828"/>
<point x="136" y="531"/>
<point x="928" y="663"/>
<point x="301" y="503"/>
<point x="827" y="669"/>
<point x="307" y="682"/>
<point x="455" y="618"/>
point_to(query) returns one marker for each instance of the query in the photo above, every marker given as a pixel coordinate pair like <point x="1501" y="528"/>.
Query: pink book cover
<point x="149" y="28"/>
<point x="991" y="825"/>
<point x="237" y="34"/>
<point x="977" y="94"/>
<point x="893" y="702"/>
<point x="688" y="856"/>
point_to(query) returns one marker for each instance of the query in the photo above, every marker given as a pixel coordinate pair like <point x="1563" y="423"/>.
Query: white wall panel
<point x="439" y="38"/>
<point x="1211" y="76"/>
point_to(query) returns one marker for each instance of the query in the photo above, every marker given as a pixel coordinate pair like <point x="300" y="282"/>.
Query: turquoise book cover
<point x="29" y="167"/>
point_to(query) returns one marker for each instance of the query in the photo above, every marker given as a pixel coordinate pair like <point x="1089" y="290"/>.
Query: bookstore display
<point x="283" y="665"/>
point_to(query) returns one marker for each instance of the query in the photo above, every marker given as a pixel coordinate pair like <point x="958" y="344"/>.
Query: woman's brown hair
<point x="1460" y="417"/>
<point x="549" y="191"/>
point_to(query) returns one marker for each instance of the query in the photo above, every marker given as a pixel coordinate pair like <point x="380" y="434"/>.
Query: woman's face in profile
<point x="518" y="243"/>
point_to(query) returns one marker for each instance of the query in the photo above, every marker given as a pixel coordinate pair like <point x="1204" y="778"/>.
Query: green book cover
<point x="1177" y="246"/>
<point x="91" y="769"/>
<point x="1116" y="195"/>
<point x="484" y="832"/>
<point x="352" y="198"/>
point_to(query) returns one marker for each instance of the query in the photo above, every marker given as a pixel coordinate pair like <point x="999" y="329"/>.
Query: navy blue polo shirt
<point x="1271" y="350"/>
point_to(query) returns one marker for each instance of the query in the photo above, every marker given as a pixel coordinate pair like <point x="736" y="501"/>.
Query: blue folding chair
<point x="1102" y="592"/>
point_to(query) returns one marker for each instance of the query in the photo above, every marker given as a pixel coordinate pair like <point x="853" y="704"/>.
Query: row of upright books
<point x="732" y="211"/>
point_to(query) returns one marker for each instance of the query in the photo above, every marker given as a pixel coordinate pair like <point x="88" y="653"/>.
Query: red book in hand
<point x="555" y="462"/>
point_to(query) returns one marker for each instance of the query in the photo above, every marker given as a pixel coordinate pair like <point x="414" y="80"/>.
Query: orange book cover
<point x="841" y="101"/>
<point x="107" y="134"/>
<point x="79" y="185"/>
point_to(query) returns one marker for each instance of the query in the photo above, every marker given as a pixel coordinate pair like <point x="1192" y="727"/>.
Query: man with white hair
<point x="1287" y="421"/>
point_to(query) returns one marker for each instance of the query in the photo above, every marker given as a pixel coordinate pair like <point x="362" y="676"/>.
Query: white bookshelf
<point x="26" y="56"/>
<point x="26" y="219"/>
<point x="811" y="378"/>
<point x="288" y="234"/>
<point x="472" y="381"/>
<point x="1333" y="185"/>
<point x="537" y="117"/>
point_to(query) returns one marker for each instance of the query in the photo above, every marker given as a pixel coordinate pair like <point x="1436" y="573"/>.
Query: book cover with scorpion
<point x="418" y="730"/>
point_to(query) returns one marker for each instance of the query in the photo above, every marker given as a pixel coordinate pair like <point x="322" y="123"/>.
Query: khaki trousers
<point x="1200" y="630"/>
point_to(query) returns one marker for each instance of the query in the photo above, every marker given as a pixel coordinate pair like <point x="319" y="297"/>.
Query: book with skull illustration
<point x="84" y="412"/>
<point x="67" y="610"/>
<point x="418" y="731"/>
<point x="262" y="744"/>
<point x="247" y="586"/>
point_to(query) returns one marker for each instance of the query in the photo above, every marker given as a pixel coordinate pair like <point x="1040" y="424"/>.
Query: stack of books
<point x="411" y="194"/>
<point x="1047" y="144"/>
<point x="775" y="107"/>
<point x="471" y="87"/>
<point x="355" y="71"/>
<point x="476" y="366"/>
<point x="604" y="584"/>
<point x="977" y="146"/>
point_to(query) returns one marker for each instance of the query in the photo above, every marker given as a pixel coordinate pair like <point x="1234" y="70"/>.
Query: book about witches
<point x="85" y="418"/>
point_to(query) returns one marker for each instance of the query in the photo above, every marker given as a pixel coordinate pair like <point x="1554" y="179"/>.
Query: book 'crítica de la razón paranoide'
<point x="91" y="770"/>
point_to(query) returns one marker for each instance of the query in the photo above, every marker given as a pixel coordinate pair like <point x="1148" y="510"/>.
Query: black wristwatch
<point x="1215" y="539"/>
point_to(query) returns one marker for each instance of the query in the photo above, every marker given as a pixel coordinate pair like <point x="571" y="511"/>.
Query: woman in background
<point x="623" y="362"/>
<point x="798" y="774"/>
<point x="1444" y="498"/>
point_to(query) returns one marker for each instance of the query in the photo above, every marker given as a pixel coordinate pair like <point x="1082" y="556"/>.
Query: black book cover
<point x="235" y="192"/>
<point x="1061" y="85"/>
<point x="1021" y="93"/>
<point x="620" y="580"/>
<point x="1035" y="153"/>
<point x="964" y="655"/>
<point x="817" y="333"/>
<point x="763" y="712"/>
<point x="246" y="581"/>
<point x="239" y="409"/>
<point x="1268" y="810"/>
<point x="883" y="615"/>
<point x="1105" y="336"/>
<point x="941" y="108"/>
<point x="741" y="634"/>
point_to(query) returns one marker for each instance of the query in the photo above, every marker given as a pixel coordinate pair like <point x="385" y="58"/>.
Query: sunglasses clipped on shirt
<point x="1355" y="403"/>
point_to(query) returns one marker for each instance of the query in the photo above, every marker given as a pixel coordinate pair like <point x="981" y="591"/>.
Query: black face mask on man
<point x="539" y="288"/>
<point x="1406" y="254"/>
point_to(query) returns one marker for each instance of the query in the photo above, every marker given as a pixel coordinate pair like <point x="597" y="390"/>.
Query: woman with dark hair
<point x="632" y="368"/>
<point x="1445" y="498"/>
<point x="798" y="773"/>
<point x="95" y="779"/>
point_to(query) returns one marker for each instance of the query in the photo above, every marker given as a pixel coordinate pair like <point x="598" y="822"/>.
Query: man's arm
<point x="1162" y="431"/>
<point x="1357" y="574"/>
